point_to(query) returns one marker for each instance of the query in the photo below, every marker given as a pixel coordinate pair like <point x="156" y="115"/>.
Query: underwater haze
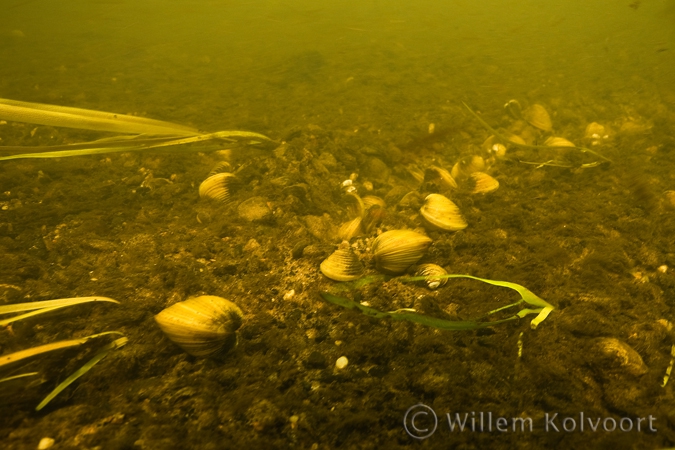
<point x="529" y="145"/>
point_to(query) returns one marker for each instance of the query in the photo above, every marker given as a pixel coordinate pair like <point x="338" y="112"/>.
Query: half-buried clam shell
<point x="396" y="250"/>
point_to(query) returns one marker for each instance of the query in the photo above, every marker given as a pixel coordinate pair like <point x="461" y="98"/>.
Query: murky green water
<point x="370" y="92"/>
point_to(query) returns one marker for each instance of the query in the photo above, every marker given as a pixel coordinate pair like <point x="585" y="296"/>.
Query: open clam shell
<point x="342" y="265"/>
<point x="442" y="213"/>
<point x="396" y="250"/>
<point x="202" y="326"/>
<point x="430" y="270"/>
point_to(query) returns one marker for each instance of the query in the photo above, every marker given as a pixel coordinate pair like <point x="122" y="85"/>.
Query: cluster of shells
<point x="397" y="251"/>
<point x="532" y="125"/>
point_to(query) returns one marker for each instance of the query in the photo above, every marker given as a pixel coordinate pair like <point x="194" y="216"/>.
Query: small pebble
<point x="341" y="362"/>
<point x="289" y="295"/>
<point x="663" y="269"/>
<point x="45" y="442"/>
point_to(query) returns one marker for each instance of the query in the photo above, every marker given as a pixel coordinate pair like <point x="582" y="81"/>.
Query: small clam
<point x="218" y="187"/>
<point x="342" y="265"/>
<point x="614" y="355"/>
<point x="594" y="131"/>
<point x="220" y="167"/>
<point x="515" y="139"/>
<point x="555" y="141"/>
<point x="396" y="250"/>
<point x="482" y="183"/>
<point x="513" y="108"/>
<point x="442" y="213"/>
<point x="538" y="117"/>
<point x="441" y="176"/>
<point x="466" y="166"/>
<point x="202" y="326"/>
<point x="430" y="270"/>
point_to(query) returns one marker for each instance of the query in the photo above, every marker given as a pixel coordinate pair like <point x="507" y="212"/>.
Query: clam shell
<point x="396" y="250"/>
<point x="441" y="176"/>
<point x="342" y="265"/>
<point x="482" y="183"/>
<point x="538" y="117"/>
<point x="513" y="108"/>
<point x="354" y="204"/>
<point x="594" y="130"/>
<point x="350" y="229"/>
<point x="202" y="326"/>
<point x="429" y="270"/>
<point x="515" y="139"/>
<point x="442" y="213"/>
<point x="615" y="355"/>
<point x="466" y="166"/>
<point x="372" y="218"/>
<point x="555" y="141"/>
<point x="220" y="167"/>
<point x="372" y="200"/>
<point x="217" y="187"/>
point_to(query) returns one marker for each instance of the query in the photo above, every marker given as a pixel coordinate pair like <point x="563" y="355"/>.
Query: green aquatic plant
<point x="147" y="134"/>
<point x="541" y="147"/>
<point x="541" y="307"/>
<point x="44" y="307"/>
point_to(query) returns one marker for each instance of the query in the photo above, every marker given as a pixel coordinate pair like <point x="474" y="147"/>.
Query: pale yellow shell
<point x="441" y="212"/>
<point x="354" y="205"/>
<point x="515" y="139"/>
<point x="594" y="130"/>
<point x="483" y="183"/>
<point x="442" y="176"/>
<point x="538" y="117"/>
<point x="613" y="354"/>
<point x="342" y="265"/>
<point x="202" y="326"/>
<point x="467" y="166"/>
<point x="394" y="251"/>
<point x="372" y="200"/>
<point x="217" y="187"/>
<point x="555" y="141"/>
<point x="430" y="270"/>
<point x="350" y="229"/>
<point x="513" y="108"/>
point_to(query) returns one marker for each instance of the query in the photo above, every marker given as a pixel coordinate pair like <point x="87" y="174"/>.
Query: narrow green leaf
<point x="82" y="370"/>
<point x="28" y="306"/>
<point x="434" y="322"/>
<point x="33" y="351"/>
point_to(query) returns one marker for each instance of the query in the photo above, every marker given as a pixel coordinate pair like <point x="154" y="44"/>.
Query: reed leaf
<point x="82" y="370"/>
<point x="34" y="351"/>
<point x="45" y="306"/>
<point x="87" y="119"/>
<point x="22" y="375"/>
